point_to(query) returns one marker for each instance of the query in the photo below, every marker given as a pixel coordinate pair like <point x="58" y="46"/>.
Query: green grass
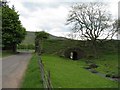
<point x="70" y="74"/>
<point x="108" y="64"/>
<point x="32" y="77"/>
<point x="56" y="46"/>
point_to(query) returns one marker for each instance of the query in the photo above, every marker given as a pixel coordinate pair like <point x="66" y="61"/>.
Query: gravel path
<point x="13" y="68"/>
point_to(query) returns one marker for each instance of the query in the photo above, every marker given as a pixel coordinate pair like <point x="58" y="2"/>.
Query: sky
<point x="51" y="15"/>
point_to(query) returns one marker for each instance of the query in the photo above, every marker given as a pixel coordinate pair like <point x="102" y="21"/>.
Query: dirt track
<point x="13" y="68"/>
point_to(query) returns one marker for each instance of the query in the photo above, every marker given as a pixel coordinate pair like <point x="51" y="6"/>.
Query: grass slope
<point x="30" y="38"/>
<point x="32" y="77"/>
<point x="56" y="46"/>
<point x="70" y="74"/>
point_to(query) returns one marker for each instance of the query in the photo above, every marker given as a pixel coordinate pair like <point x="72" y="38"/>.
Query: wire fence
<point x="45" y="75"/>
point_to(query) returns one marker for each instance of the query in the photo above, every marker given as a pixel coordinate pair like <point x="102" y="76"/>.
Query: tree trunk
<point x="40" y="47"/>
<point x="94" y="49"/>
<point x="36" y="45"/>
<point x="14" y="48"/>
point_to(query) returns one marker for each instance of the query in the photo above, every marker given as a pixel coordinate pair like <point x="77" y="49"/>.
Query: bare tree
<point x="116" y="26"/>
<point x="92" y="21"/>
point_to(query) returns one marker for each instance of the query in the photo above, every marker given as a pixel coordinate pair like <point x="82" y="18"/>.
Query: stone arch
<point x="74" y="53"/>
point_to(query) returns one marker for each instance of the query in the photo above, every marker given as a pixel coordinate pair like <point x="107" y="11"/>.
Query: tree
<point x="38" y="40"/>
<point x="91" y="21"/>
<point x="116" y="26"/>
<point x="12" y="30"/>
<point x="0" y="26"/>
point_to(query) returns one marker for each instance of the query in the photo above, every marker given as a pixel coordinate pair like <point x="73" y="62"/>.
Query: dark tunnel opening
<point x="74" y="56"/>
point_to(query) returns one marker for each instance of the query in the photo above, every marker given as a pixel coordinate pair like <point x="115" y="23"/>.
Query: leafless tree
<point x="92" y="21"/>
<point x="116" y="26"/>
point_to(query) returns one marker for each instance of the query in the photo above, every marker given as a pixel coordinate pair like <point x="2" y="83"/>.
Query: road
<point x="13" y="68"/>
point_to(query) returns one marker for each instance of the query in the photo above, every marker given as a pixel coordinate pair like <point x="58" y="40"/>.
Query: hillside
<point x="30" y="38"/>
<point x="54" y="45"/>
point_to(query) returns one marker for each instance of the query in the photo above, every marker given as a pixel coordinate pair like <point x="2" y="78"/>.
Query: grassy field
<point x="65" y="73"/>
<point x="32" y="77"/>
<point x="108" y="64"/>
<point x="71" y="74"/>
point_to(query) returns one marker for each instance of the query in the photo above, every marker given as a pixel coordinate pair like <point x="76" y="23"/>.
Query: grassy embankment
<point x="71" y="74"/>
<point x="108" y="64"/>
<point x="65" y="73"/>
<point x="32" y="77"/>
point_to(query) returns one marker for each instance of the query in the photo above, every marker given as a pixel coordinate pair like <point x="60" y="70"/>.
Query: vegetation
<point x="39" y="39"/>
<point x="26" y="46"/>
<point x="108" y="64"/>
<point x="12" y="30"/>
<point x="54" y="45"/>
<point x="0" y="28"/>
<point x="32" y="77"/>
<point x="117" y="25"/>
<point x="29" y="38"/>
<point x="89" y="20"/>
<point x="92" y="21"/>
<point x="63" y="75"/>
<point x="66" y="73"/>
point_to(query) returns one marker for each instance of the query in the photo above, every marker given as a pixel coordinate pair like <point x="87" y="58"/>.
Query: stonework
<point x="74" y="53"/>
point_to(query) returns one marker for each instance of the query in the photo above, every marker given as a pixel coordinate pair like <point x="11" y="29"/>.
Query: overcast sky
<point x="50" y="15"/>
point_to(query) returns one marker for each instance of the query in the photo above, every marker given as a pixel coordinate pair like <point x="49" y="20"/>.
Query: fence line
<point x="46" y="80"/>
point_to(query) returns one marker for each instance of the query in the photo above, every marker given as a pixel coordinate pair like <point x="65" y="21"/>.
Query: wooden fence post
<point x="45" y="77"/>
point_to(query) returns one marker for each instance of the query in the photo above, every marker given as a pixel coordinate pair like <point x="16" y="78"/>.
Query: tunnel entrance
<point x="74" y="53"/>
<point x="73" y="56"/>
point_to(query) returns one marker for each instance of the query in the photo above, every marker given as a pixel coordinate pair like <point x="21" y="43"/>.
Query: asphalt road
<point x="13" y="68"/>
